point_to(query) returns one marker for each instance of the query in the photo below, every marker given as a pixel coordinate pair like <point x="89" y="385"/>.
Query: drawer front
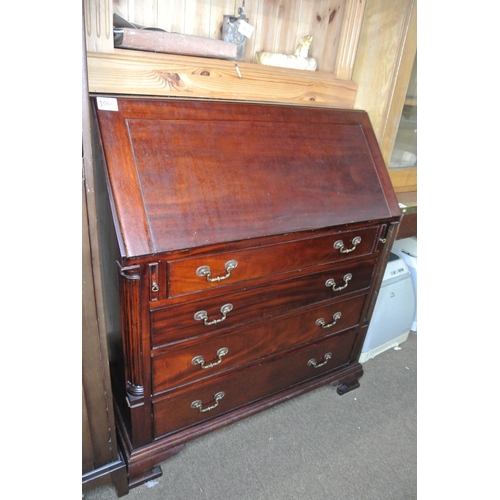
<point x="217" y="396"/>
<point x="173" y="324"/>
<point x="181" y="366"/>
<point x="190" y="275"/>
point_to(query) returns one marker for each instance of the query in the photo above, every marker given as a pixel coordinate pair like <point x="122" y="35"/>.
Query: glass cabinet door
<point x="404" y="154"/>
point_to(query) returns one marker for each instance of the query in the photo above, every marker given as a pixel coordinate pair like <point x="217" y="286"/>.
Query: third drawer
<point x="176" y="367"/>
<point x="213" y="397"/>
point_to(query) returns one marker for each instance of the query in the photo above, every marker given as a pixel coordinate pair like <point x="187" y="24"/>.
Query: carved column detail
<point x="131" y="325"/>
<point x="98" y="15"/>
<point x="349" y="38"/>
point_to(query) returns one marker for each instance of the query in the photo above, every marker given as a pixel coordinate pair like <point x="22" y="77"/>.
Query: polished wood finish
<point x="265" y="260"/>
<point x="174" y="323"/>
<point x="246" y="385"/>
<point x="299" y="197"/>
<point x="174" y="368"/>
<point x="209" y="166"/>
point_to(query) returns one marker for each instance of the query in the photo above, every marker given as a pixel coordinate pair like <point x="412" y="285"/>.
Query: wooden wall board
<point x="278" y="24"/>
<point x="147" y="73"/>
<point x="349" y="38"/>
<point x="381" y="43"/>
<point x="218" y="9"/>
<point x="171" y="15"/>
<point x="384" y="60"/>
<point x="323" y="20"/>
<point x="276" y="27"/>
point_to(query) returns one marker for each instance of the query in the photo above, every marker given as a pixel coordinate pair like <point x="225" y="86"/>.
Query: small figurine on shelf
<point x="298" y="61"/>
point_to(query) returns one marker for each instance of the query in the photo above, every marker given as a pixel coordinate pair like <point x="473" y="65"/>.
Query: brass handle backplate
<point x="312" y="362"/>
<point x="199" y="360"/>
<point x="205" y="271"/>
<point x="335" y="288"/>
<point x="339" y="245"/>
<point x="203" y="315"/>
<point x="335" y="317"/>
<point x="199" y="405"/>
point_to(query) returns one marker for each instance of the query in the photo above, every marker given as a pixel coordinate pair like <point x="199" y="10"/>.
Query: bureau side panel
<point x="110" y="254"/>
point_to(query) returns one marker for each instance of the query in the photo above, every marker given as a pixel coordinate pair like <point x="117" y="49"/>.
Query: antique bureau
<point x="244" y="245"/>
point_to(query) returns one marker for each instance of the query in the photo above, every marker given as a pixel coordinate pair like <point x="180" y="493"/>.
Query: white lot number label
<point x="107" y="103"/>
<point x="245" y="29"/>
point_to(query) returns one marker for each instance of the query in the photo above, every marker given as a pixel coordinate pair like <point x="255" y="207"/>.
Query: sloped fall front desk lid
<point x="186" y="174"/>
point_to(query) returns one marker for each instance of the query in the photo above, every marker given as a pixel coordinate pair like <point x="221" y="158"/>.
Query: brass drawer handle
<point x="154" y="287"/>
<point x="331" y="282"/>
<point x="335" y="317"/>
<point x="339" y="245"/>
<point x="199" y="360"/>
<point x="312" y="362"/>
<point x="203" y="315"/>
<point x="199" y="405"/>
<point x="205" y="271"/>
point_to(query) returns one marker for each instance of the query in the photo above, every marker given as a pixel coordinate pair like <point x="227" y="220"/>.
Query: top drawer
<point x="200" y="273"/>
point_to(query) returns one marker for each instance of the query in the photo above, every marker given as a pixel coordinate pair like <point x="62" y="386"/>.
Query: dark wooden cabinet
<point x="245" y="245"/>
<point x="102" y="462"/>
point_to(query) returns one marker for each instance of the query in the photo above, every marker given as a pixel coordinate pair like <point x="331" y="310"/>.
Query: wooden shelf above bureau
<point x="148" y="73"/>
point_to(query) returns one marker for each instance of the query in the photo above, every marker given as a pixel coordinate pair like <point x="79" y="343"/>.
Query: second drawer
<point x="191" y="319"/>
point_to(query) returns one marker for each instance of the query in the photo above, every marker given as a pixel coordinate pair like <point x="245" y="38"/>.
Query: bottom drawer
<point x="217" y="396"/>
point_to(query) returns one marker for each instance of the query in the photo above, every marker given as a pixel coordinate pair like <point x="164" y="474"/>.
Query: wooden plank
<point x="349" y="38"/>
<point x="197" y="18"/>
<point x="147" y="73"/>
<point x="252" y="13"/>
<point x="322" y="19"/>
<point x="143" y="12"/>
<point x="220" y="8"/>
<point x="119" y="7"/>
<point x="265" y="23"/>
<point x="171" y="15"/>
<point x="287" y="19"/>
<point x="329" y="28"/>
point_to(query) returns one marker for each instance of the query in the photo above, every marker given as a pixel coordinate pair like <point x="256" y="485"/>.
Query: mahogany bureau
<point x="244" y="248"/>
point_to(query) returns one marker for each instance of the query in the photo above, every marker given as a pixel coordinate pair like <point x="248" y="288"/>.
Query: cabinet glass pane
<point x="404" y="154"/>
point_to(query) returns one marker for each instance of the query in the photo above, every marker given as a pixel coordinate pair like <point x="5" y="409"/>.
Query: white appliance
<point x="394" y="310"/>
<point x="406" y="248"/>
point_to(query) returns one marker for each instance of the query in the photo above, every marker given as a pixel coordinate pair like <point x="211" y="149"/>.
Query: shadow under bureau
<point x="243" y="249"/>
